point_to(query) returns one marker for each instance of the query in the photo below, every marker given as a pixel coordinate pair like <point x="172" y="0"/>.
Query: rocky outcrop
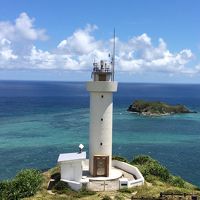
<point x="157" y="108"/>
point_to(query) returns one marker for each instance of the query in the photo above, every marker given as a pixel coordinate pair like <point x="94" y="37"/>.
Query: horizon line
<point x="82" y="81"/>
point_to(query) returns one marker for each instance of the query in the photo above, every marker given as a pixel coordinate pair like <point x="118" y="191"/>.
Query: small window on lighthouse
<point x="101" y="143"/>
<point x="101" y="119"/>
<point x="102" y="96"/>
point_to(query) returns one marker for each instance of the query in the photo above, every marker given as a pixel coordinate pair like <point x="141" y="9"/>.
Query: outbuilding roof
<point x="63" y="157"/>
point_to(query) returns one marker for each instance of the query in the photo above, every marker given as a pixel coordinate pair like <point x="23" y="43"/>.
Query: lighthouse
<point x="80" y="172"/>
<point x="101" y="89"/>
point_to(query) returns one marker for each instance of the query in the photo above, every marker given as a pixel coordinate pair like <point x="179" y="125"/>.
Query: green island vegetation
<point x="30" y="184"/>
<point x="156" y="108"/>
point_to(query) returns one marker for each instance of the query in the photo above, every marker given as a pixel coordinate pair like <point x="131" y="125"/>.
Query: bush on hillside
<point x="119" y="158"/>
<point x="61" y="186"/>
<point x="141" y="160"/>
<point x="85" y="192"/>
<point x="3" y="186"/>
<point x="106" y="197"/>
<point x="125" y="190"/>
<point x="150" y="167"/>
<point x="25" y="184"/>
<point x="118" y="198"/>
<point x="28" y="181"/>
<point x="8" y="190"/>
<point x="158" y="170"/>
<point x="177" y="181"/>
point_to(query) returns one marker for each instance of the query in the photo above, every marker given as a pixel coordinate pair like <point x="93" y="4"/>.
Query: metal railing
<point x="103" y="69"/>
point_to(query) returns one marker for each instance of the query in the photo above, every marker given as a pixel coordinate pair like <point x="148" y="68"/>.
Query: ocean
<point x="39" y="120"/>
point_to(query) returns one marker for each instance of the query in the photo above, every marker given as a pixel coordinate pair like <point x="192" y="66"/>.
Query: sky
<point x="157" y="41"/>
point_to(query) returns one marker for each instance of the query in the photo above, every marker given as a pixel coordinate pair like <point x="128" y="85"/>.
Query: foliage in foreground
<point x="152" y="170"/>
<point x="62" y="188"/>
<point x="120" y="158"/>
<point x="150" y="167"/>
<point x="26" y="183"/>
<point x="106" y="197"/>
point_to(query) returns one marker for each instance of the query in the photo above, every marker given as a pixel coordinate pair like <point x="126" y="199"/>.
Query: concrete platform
<point x="110" y="183"/>
<point x="119" y="172"/>
<point x="114" y="173"/>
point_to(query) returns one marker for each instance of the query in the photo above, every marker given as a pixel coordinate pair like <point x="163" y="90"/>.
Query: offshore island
<point x="157" y="108"/>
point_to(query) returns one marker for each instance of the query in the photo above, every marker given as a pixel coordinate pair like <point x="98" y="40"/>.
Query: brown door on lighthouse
<point x="101" y="166"/>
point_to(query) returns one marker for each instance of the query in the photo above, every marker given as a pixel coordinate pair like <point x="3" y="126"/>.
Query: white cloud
<point x="140" y="55"/>
<point x="62" y="45"/>
<point x="6" y="53"/>
<point x="77" y="52"/>
<point x="81" y="42"/>
<point x="41" y="59"/>
<point x="22" y="29"/>
<point x="24" y="26"/>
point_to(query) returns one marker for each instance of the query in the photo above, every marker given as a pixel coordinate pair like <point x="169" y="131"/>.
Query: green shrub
<point x="150" y="167"/>
<point x="8" y="190"/>
<point x="106" y="197"/>
<point x="119" y="158"/>
<point x="28" y="182"/>
<point x="125" y="190"/>
<point x="158" y="170"/>
<point x="25" y="184"/>
<point x="141" y="160"/>
<point x="60" y="186"/>
<point x="150" y="178"/>
<point x="85" y="192"/>
<point x="177" y="181"/>
<point x="118" y="198"/>
<point x="3" y="186"/>
<point x="197" y="188"/>
<point x="173" y="191"/>
<point x="152" y="170"/>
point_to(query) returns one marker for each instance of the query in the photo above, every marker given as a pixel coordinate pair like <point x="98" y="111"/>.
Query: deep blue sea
<point x="39" y="120"/>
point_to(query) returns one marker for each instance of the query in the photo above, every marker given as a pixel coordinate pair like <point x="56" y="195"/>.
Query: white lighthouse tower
<point x="75" y="166"/>
<point x="101" y="89"/>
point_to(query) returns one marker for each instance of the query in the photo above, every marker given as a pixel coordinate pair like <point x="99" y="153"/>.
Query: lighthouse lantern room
<point x="101" y="89"/>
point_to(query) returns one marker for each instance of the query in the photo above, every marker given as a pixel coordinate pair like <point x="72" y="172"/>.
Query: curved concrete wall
<point x="132" y="170"/>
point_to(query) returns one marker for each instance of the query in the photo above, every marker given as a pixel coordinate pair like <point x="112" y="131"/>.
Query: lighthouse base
<point x="121" y="175"/>
<point x="114" y="174"/>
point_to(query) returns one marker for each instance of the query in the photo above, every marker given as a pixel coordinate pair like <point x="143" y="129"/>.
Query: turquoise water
<point x="39" y="120"/>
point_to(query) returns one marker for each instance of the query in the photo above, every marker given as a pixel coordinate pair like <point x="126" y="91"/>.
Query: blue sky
<point x="157" y="41"/>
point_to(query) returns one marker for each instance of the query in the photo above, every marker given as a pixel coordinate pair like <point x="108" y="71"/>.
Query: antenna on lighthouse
<point x="113" y="57"/>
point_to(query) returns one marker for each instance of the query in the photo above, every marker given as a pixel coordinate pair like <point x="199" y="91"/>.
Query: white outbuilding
<point x="71" y="168"/>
